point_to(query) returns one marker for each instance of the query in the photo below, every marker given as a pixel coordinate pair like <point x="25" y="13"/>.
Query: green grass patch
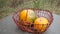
<point x="9" y="6"/>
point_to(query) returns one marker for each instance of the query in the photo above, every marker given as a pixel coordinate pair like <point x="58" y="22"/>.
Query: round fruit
<point x="40" y="24"/>
<point x="27" y="16"/>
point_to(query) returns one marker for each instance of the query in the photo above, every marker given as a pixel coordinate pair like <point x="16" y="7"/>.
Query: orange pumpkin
<point x="27" y="16"/>
<point x="40" y="24"/>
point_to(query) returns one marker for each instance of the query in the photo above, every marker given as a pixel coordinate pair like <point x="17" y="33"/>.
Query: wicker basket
<point x="39" y="13"/>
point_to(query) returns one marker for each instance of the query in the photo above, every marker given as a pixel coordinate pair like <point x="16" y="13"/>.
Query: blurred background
<point x="8" y="7"/>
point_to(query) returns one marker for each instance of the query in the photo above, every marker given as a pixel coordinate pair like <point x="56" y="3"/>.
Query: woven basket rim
<point x="35" y="9"/>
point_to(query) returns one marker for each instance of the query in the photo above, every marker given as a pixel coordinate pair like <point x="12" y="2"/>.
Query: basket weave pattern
<point x="39" y="13"/>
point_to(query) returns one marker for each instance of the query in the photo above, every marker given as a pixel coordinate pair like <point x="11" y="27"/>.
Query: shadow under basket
<point x="39" y="13"/>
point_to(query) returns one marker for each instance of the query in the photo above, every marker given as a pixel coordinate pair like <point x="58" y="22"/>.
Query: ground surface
<point x="7" y="26"/>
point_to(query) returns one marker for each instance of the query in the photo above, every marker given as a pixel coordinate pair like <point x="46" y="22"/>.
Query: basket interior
<point x="39" y="13"/>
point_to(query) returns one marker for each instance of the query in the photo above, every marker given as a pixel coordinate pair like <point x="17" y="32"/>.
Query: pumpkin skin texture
<point x="40" y="24"/>
<point x="27" y="16"/>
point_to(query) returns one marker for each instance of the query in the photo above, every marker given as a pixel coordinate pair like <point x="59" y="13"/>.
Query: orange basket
<point x="39" y="13"/>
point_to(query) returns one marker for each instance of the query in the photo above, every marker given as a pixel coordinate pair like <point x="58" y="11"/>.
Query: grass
<point x="9" y="6"/>
<point x="45" y="4"/>
<point x="5" y="11"/>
